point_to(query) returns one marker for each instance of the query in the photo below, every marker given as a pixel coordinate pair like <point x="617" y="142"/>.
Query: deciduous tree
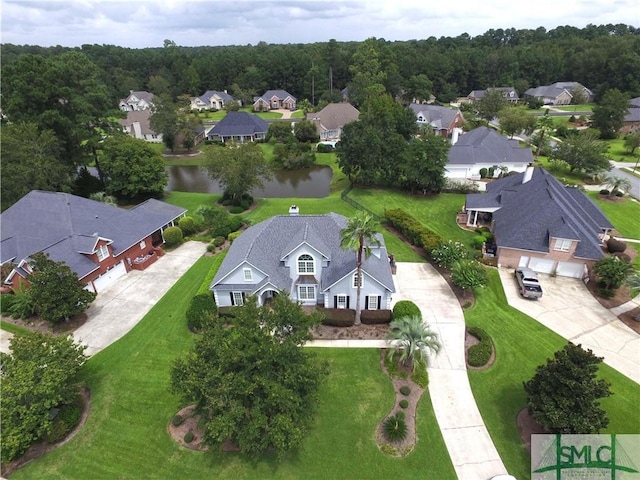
<point x="490" y="104"/>
<point x="582" y="151"/>
<point x="608" y="114"/>
<point x="612" y="271"/>
<point x="252" y="381"/>
<point x="423" y="167"/>
<point x="632" y="141"/>
<point x="515" y="120"/>
<point x="564" y="395"/>
<point x="306" y="132"/>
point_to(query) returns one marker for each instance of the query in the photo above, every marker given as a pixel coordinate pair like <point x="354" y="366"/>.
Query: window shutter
<point x="348" y="298"/>
<point x="231" y="295"/>
<point x="366" y="302"/>
<point x="379" y="301"/>
<point x="335" y="301"/>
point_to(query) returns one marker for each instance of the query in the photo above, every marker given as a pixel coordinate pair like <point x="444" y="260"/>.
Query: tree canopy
<point x="252" y="381"/>
<point x="39" y="374"/>
<point x="608" y="114"/>
<point x="563" y="396"/>
<point x="582" y="151"/>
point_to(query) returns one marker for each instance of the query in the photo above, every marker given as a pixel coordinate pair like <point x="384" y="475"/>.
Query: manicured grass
<point x="183" y="160"/>
<point x="190" y="200"/>
<point x="437" y="212"/>
<point x="126" y="433"/>
<point x="623" y="215"/>
<point x="297" y="114"/>
<point x="265" y="115"/>
<point x="15" y="329"/>
<point x="213" y="116"/>
<point x="619" y="153"/>
<point x="635" y="173"/>
<point x="562" y="172"/>
<point x="585" y="107"/>
<point x="521" y="345"/>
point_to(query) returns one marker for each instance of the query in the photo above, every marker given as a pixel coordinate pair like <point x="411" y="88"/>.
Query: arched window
<point x="306" y="264"/>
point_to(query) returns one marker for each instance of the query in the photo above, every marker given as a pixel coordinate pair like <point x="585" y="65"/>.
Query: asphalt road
<point x="635" y="181"/>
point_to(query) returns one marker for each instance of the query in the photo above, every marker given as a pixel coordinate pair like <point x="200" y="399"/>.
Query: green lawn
<point x="619" y="153"/>
<point x="561" y="171"/>
<point x="521" y="345"/>
<point x="585" y="107"/>
<point x="297" y="114"/>
<point x="625" y="216"/>
<point x="126" y="433"/>
<point x="191" y="201"/>
<point x="15" y="329"/>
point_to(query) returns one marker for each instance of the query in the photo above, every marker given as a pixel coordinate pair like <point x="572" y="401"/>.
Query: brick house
<point x="631" y="122"/>
<point x="443" y="120"/>
<point x="331" y="120"/>
<point x="540" y="223"/>
<point x="99" y="242"/>
<point x="274" y="100"/>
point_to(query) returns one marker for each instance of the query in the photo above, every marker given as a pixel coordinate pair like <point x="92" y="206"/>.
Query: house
<point x="211" y="100"/>
<point x="481" y="148"/>
<point x="239" y="127"/>
<point x="301" y="255"/>
<point x="559" y="93"/>
<point x="137" y="101"/>
<point x="443" y="120"/>
<point x="274" y="100"/>
<point x="540" y="223"/>
<point x="138" y="125"/>
<point x="99" y="242"/>
<point x="632" y="118"/>
<point x="331" y="119"/>
<point x="507" y="92"/>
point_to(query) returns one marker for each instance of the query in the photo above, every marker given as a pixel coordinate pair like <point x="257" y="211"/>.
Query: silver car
<point x="528" y="283"/>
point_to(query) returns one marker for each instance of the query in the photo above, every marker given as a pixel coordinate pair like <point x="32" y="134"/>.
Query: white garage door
<point x="541" y="265"/>
<point x="110" y="277"/>
<point x="453" y="172"/>
<point x="570" y="269"/>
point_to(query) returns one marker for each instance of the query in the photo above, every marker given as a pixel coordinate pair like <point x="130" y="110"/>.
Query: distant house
<point x="481" y="148"/>
<point x="239" y="127"/>
<point x="211" y="100"/>
<point x="540" y="223"/>
<point x="331" y="120"/>
<point x="507" y="92"/>
<point x="274" y="100"/>
<point x="99" y="242"/>
<point x="632" y="118"/>
<point x="137" y="101"/>
<point x="443" y="120"/>
<point x="301" y="255"/>
<point x="137" y="125"/>
<point x="559" y="93"/>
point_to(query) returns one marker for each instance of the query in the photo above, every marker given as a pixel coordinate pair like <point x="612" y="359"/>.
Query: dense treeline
<point x="600" y="57"/>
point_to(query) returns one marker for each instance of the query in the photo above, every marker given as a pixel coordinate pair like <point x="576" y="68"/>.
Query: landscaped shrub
<point x="491" y="172"/>
<point x="324" y="148"/>
<point x="188" y="437"/>
<point x="483" y="173"/>
<point x="227" y="312"/>
<point x="604" y="191"/>
<point x="406" y="308"/>
<point x="376" y="317"/>
<point x="400" y="414"/>
<point x="337" y="317"/>
<point x="6" y="300"/>
<point x="229" y="224"/>
<point x="173" y="236"/>
<point x="478" y="241"/>
<point x="211" y="247"/>
<point x="22" y="304"/>
<point x="416" y="233"/>
<point x="480" y="353"/>
<point x="233" y="235"/>
<point x="67" y="419"/>
<point x="468" y="274"/>
<point x="202" y="306"/>
<point x="177" y="420"/>
<point x="606" y="292"/>
<point x="211" y="215"/>
<point x="619" y="193"/>
<point x="446" y="254"/>
<point x="403" y="403"/>
<point x="430" y="240"/>
<point x="236" y="209"/>
<point x="395" y="429"/>
<point x="188" y="226"/>
<point x="218" y="241"/>
<point x="405" y="390"/>
<point x="614" y="245"/>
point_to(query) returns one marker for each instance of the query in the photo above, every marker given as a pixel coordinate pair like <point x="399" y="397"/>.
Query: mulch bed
<point x="36" y="324"/>
<point x="629" y="319"/>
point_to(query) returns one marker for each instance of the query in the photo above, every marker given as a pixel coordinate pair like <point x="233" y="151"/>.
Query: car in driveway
<point x="528" y="283"/>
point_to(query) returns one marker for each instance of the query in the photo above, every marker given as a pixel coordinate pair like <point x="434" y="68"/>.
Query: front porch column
<point x="474" y="214"/>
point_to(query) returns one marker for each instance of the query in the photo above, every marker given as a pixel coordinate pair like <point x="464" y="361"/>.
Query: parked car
<point x="528" y="283"/>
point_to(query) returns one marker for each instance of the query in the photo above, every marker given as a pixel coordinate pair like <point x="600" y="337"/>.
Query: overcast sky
<point x="146" y="23"/>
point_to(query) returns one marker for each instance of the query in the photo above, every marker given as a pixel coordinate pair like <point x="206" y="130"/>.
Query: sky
<point x="147" y="23"/>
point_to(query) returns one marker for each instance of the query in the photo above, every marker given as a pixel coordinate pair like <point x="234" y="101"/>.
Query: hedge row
<point x="376" y="317"/>
<point x="416" y="233"/>
<point x="480" y="353"/>
<point x="337" y="317"/>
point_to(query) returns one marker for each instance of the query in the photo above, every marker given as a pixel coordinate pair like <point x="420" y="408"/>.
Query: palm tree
<point x="413" y="340"/>
<point x="618" y="184"/>
<point x="359" y="233"/>
<point x="104" y="198"/>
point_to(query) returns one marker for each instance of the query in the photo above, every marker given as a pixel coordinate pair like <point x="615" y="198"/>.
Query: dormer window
<point x="562" y="244"/>
<point x="103" y="253"/>
<point x="306" y="264"/>
<point x="248" y="276"/>
<point x="357" y="280"/>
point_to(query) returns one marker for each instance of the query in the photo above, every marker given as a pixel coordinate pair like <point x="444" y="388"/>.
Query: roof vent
<point x="528" y="174"/>
<point x="294" y="210"/>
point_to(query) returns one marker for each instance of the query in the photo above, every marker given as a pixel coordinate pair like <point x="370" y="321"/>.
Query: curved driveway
<point x="470" y="447"/>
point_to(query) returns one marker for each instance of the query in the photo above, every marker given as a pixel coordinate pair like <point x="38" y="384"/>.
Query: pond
<point x="311" y="182"/>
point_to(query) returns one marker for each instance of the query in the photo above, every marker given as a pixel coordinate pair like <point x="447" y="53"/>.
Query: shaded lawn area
<point x="522" y="344"/>
<point x="562" y="172"/>
<point x="126" y="433"/>
<point x="191" y="200"/>
<point x="619" y="153"/>
<point x="625" y="216"/>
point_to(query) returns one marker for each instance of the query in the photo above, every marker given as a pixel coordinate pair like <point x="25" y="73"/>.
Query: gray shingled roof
<point x="633" y="114"/>
<point x="335" y="115"/>
<point x="64" y="225"/>
<point x="634" y="102"/>
<point x="280" y="94"/>
<point x="531" y="212"/>
<point x="485" y="145"/>
<point x="142" y="95"/>
<point x="478" y="94"/>
<point x="210" y="93"/>
<point x="142" y="117"/>
<point x="239" y="123"/>
<point x="438" y="116"/>
<point x="265" y="244"/>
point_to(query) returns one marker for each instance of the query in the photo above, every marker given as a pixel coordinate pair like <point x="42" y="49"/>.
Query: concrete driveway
<point x="119" y="308"/>
<point x="569" y="309"/>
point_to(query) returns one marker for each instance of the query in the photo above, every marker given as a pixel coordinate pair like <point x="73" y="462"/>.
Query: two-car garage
<point x="550" y="266"/>
<point x="110" y="277"/>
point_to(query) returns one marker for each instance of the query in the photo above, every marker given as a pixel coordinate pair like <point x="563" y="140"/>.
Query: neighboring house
<point x="274" y="100"/>
<point x="559" y="93"/>
<point x="137" y="125"/>
<point x="483" y="147"/>
<point x="239" y="127"/>
<point x="137" y="101"/>
<point x="507" y="92"/>
<point x="331" y="120"/>
<point x="443" y="120"/>
<point x="541" y="224"/>
<point x="99" y="242"/>
<point x="211" y="100"/>
<point x="301" y="255"/>
<point x="632" y="118"/>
